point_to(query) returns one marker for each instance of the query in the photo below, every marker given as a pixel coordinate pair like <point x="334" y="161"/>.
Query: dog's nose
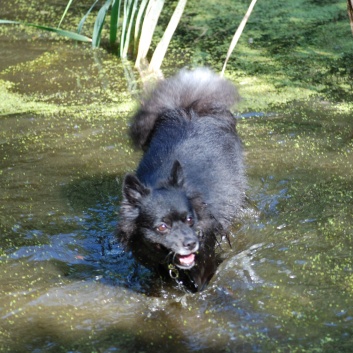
<point x="190" y="244"/>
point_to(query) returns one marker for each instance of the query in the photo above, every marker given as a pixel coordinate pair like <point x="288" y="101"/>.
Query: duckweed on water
<point x="287" y="283"/>
<point x="14" y="103"/>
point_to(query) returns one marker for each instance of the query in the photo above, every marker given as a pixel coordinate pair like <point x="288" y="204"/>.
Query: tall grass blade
<point x="127" y="4"/>
<point x="98" y="25"/>
<point x="65" y="12"/>
<point x="152" y="14"/>
<point x="61" y="32"/>
<point x="162" y="46"/>
<point x="9" y="22"/>
<point x="114" y="20"/>
<point x="83" y="19"/>
<point x="140" y="13"/>
<point x="237" y="34"/>
<point x="131" y="18"/>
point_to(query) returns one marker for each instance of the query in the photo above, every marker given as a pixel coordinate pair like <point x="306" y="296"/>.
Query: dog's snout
<point x="190" y="244"/>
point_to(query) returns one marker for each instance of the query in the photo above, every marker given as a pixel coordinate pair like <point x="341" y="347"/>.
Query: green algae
<point x="64" y="117"/>
<point x="297" y="50"/>
<point x="14" y="103"/>
<point x="287" y="51"/>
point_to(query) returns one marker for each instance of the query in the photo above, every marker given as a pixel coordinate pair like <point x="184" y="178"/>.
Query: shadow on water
<point x="97" y="198"/>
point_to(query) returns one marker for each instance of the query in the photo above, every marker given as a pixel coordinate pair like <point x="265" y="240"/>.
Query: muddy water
<point x="286" y="284"/>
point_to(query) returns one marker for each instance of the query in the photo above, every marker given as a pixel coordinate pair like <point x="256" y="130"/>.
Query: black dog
<point x="190" y="183"/>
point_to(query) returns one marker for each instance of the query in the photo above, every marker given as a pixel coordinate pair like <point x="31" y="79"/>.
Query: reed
<point x="139" y="17"/>
<point x="58" y="31"/>
<point x="237" y="34"/>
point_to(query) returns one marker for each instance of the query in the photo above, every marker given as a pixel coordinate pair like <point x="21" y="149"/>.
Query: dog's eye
<point x="162" y="228"/>
<point x="189" y="221"/>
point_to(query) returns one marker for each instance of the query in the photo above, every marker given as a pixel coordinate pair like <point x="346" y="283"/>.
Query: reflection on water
<point x="66" y="286"/>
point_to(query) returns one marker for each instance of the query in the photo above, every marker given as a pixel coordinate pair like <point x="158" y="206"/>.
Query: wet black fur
<point x="192" y="168"/>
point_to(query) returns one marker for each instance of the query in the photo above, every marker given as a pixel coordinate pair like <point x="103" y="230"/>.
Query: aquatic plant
<point x="125" y="15"/>
<point x="135" y="21"/>
<point x="61" y="32"/>
<point x="237" y="34"/>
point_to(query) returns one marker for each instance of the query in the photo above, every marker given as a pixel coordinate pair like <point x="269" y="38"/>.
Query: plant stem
<point x="162" y="46"/>
<point x="237" y="34"/>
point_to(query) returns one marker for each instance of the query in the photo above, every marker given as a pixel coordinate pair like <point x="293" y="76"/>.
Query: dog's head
<point x="160" y="225"/>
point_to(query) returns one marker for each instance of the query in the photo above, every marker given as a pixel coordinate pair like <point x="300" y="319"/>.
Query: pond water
<point x="286" y="285"/>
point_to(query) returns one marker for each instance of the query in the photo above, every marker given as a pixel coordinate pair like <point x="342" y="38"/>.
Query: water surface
<point x="286" y="284"/>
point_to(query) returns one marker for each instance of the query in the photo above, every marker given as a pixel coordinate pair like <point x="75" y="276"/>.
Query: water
<point x="286" y="284"/>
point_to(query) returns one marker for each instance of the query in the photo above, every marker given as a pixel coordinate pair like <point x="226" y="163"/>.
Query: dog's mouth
<point x="185" y="261"/>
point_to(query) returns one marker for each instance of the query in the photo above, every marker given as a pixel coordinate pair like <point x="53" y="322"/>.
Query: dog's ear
<point x="177" y="175"/>
<point x="133" y="189"/>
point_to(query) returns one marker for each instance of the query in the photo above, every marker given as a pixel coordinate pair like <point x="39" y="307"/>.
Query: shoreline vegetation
<point x="301" y="50"/>
<point x="137" y="21"/>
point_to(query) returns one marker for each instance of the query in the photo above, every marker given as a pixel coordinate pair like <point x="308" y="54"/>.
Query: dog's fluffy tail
<point x="201" y="90"/>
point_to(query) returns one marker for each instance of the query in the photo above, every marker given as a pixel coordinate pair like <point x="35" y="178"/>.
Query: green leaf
<point x="61" y="32"/>
<point x="65" y="12"/>
<point x="83" y="19"/>
<point x="138" y="23"/>
<point x="114" y="20"/>
<point x="7" y="21"/>
<point x="98" y="25"/>
<point x="130" y="17"/>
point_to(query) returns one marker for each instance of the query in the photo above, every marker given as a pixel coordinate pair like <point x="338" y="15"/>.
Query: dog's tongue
<point x="186" y="260"/>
